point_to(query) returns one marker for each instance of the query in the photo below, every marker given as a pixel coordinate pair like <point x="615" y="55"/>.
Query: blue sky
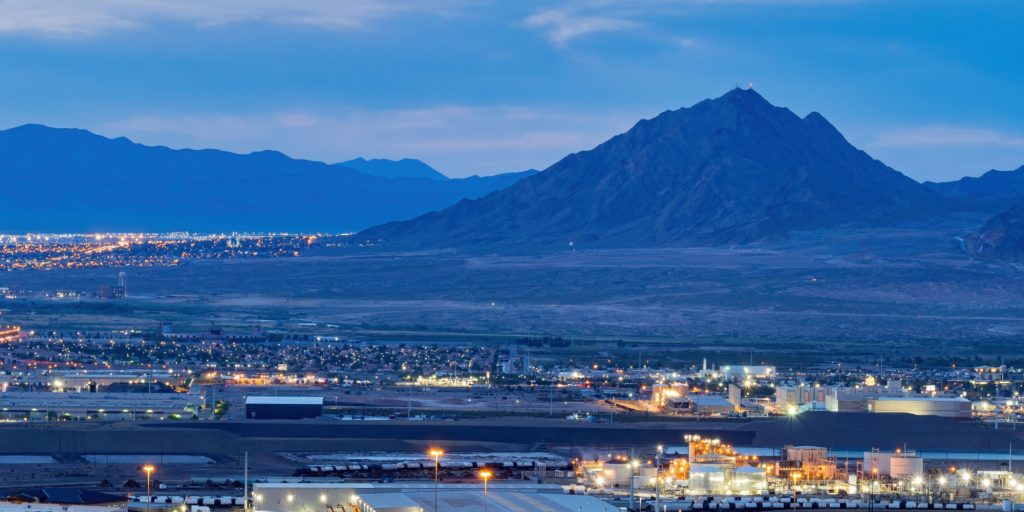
<point x="933" y="88"/>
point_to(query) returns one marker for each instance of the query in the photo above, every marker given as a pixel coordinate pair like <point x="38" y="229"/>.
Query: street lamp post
<point x="436" y="453"/>
<point x="633" y="464"/>
<point x="485" y="475"/>
<point x="657" y="477"/>
<point x="796" y="478"/>
<point x="874" y="482"/>
<point x="149" y="469"/>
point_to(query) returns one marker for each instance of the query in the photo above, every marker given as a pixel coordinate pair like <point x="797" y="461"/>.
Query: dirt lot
<point x="895" y="292"/>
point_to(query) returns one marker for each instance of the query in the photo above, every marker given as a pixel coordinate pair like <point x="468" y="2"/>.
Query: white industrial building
<point x="946" y="406"/>
<point x="618" y="474"/>
<point x="37" y="405"/>
<point x="419" y="497"/>
<point x="806" y="453"/>
<point x="710" y="405"/>
<point x="893" y="465"/>
<point x="748" y="479"/>
<point x="744" y="373"/>
<point x="85" y="380"/>
<point x="710" y="478"/>
<point x="799" y="398"/>
<point x="889" y="399"/>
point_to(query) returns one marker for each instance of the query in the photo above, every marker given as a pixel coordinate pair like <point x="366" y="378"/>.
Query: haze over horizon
<point x="485" y="87"/>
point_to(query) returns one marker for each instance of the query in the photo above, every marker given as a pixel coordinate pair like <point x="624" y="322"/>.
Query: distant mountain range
<point x="731" y="170"/>
<point x="997" y="185"/>
<point x="60" y="180"/>
<point x="404" y="168"/>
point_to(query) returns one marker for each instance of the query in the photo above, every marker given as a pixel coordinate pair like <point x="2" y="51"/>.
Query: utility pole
<point x="245" y="484"/>
<point x="633" y="463"/>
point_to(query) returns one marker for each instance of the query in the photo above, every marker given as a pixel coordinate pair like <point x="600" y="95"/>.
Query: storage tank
<point x="617" y="473"/>
<point x="877" y="462"/>
<point x="709" y="478"/>
<point x="748" y="479"/>
<point x="905" y="466"/>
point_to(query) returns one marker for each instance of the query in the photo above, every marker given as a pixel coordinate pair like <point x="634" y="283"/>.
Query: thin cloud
<point x="76" y="18"/>
<point x="561" y="25"/>
<point x="945" y="135"/>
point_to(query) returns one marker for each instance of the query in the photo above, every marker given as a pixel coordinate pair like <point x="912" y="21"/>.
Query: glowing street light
<point x="485" y="475"/>
<point x="436" y="453"/>
<point x="148" y="469"/>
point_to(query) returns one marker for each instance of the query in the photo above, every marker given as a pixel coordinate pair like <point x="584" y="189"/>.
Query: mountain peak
<point x="734" y="169"/>
<point x="37" y="130"/>
<point x="737" y="107"/>
<point x="743" y="99"/>
<point x="404" y="168"/>
<point x="748" y="95"/>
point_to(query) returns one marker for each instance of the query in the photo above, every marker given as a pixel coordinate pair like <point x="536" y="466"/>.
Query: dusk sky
<point x="933" y="89"/>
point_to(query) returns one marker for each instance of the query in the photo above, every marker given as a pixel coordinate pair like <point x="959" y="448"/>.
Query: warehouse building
<point x="747" y="373"/>
<point x="66" y="496"/>
<point x="419" y="497"/>
<point x="949" y="407"/>
<point x="283" y="407"/>
<point x="710" y="405"/>
<point x="43" y="406"/>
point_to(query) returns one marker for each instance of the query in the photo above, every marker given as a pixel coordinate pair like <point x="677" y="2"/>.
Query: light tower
<point x="122" y="281"/>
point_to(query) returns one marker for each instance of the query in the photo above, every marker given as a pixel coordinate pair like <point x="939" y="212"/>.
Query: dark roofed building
<point x="283" y="407"/>
<point x="66" y="496"/>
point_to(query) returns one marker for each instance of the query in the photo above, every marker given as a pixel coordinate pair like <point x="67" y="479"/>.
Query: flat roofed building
<point x="40" y="405"/>
<point x="389" y="502"/>
<point x="949" y="407"/>
<point x="283" y="407"/>
<point x="747" y="372"/>
<point x="419" y="497"/>
<point x="710" y="405"/>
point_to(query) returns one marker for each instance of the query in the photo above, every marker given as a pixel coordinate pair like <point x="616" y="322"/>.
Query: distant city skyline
<point x="477" y="87"/>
